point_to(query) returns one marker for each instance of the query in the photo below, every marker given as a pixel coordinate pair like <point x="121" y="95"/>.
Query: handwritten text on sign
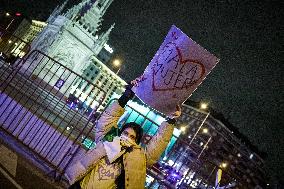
<point x="176" y="70"/>
<point x="172" y="72"/>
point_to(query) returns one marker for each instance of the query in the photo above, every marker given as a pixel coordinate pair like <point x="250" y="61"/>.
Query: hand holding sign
<point x="177" y="113"/>
<point x="136" y="81"/>
<point x="177" y="69"/>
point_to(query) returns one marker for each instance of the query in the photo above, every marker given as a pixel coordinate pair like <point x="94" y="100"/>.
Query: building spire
<point x="88" y="14"/>
<point x="57" y="11"/>
<point x="102" y="40"/>
<point x="104" y="5"/>
<point x="63" y="6"/>
<point x="74" y="11"/>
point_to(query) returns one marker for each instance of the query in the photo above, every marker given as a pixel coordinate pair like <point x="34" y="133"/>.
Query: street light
<point x="205" y="130"/>
<point x="182" y="129"/>
<point x="7" y="14"/>
<point x="202" y="106"/>
<point x="204" y="147"/>
<point x="224" y="165"/>
<point x="117" y="63"/>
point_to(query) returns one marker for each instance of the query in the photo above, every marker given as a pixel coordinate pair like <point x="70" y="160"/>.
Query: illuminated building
<point x="201" y="147"/>
<point x="71" y="38"/>
<point x="100" y="75"/>
<point x="27" y="31"/>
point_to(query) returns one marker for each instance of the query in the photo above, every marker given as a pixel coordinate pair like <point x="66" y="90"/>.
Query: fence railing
<point x="36" y="107"/>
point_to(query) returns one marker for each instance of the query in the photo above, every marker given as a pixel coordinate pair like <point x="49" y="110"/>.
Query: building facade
<point x="27" y="31"/>
<point x="214" y="144"/>
<point x="101" y="76"/>
<point x="71" y="38"/>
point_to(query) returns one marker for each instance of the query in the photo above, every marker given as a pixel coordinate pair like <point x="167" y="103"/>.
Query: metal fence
<point x="40" y="107"/>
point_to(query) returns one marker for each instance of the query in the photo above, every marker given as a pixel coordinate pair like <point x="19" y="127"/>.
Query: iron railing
<point x="36" y="108"/>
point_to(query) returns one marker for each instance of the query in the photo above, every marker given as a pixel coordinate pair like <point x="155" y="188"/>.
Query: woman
<point x="121" y="163"/>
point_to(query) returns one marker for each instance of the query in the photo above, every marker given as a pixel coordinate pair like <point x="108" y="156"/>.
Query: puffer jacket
<point x="135" y="162"/>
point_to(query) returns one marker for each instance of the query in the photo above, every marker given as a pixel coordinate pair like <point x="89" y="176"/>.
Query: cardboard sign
<point x="174" y="73"/>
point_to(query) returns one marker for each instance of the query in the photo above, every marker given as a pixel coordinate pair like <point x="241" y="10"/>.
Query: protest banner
<point x="174" y="73"/>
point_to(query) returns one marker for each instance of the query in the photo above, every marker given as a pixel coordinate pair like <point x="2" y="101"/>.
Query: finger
<point x="134" y="83"/>
<point x="178" y="108"/>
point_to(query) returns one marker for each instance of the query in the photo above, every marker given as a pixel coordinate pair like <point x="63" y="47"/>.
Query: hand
<point x="127" y="95"/>
<point x="126" y="142"/>
<point x="136" y="81"/>
<point x="177" y="113"/>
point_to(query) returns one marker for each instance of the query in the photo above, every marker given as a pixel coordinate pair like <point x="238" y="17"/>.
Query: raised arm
<point x="111" y="115"/>
<point x="159" y="142"/>
<point x="108" y="119"/>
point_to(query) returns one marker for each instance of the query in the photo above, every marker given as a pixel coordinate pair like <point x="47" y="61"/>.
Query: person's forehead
<point x="130" y="131"/>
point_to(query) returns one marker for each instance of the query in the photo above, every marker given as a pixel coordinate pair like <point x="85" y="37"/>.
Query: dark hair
<point x="137" y="129"/>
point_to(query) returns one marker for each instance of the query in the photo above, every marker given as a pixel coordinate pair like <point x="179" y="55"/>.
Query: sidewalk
<point x="18" y="170"/>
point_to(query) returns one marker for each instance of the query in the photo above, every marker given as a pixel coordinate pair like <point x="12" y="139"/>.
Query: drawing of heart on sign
<point x="172" y="72"/>
<point x="177" y="69"/>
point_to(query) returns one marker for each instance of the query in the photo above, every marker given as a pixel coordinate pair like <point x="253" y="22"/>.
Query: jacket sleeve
<point x="158" y="143"/>
<point x="108" y="119"/>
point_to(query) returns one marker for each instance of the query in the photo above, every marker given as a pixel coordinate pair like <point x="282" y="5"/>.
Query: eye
<point x="125" y="133"/>
<point x="132" y="137"/>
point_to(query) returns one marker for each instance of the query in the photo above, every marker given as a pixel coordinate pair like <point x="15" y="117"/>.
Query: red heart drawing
<point x="161" y="65"/>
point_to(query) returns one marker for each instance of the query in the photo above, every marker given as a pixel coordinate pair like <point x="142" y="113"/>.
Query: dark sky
<point x="246" y="85"/>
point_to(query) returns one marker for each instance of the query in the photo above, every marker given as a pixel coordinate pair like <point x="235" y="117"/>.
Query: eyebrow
<point x="133" y="136"/>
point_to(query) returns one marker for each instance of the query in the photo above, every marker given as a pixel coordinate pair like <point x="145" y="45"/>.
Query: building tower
<point x="71" y="39"/>
<point x="56" y="12"/>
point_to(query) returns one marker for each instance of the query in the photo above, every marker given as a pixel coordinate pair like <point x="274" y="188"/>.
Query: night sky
<point x="246" y="85"/>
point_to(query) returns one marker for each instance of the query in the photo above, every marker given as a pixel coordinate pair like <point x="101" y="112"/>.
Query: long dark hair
<point x="120" y="180"/>
<point x="137" y="129"/>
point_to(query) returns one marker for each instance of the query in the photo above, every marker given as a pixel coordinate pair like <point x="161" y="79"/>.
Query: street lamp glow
<point x="182" y="129"/>
<point x="224" y="165"/>
<point x="116" y="62"/>
<point x="9" y="41"/>
<point x="205" y="130"/>
<point x="203" y="106"/>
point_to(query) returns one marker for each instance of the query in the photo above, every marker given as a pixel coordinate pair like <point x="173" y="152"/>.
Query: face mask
<point x="125" y="141"/>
